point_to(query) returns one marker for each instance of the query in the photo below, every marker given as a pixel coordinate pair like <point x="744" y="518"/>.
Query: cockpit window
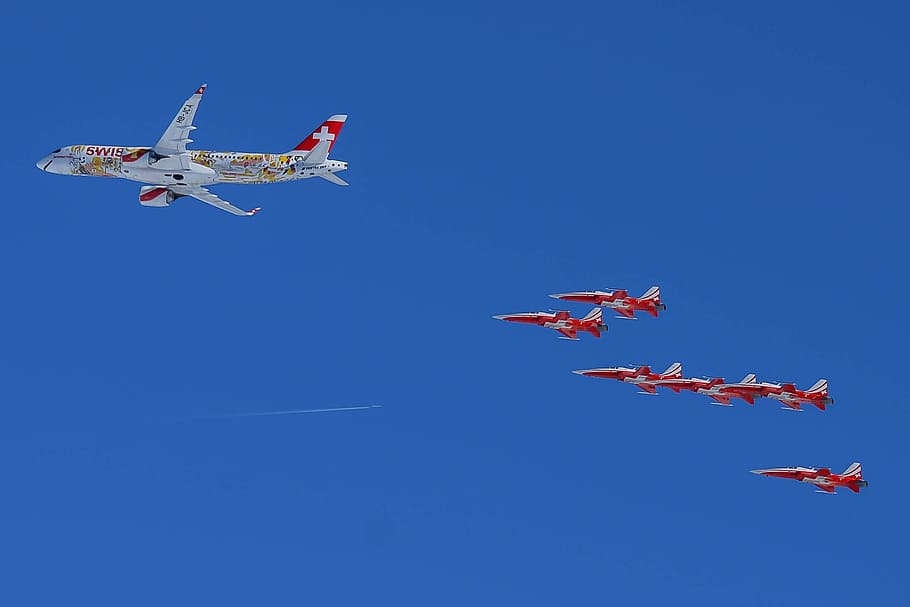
<point x="57" y="151"/>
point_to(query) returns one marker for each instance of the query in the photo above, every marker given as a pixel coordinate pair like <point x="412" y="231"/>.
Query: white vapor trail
<point x="303" y="411"/>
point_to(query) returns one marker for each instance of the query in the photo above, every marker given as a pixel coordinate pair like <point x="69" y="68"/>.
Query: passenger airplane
<point x="174" y="172"/>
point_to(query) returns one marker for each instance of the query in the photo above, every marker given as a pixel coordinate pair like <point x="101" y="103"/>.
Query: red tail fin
<point x="595" y="315"/>
<point x="652" y="294"/>
<point x="327" y="131"/>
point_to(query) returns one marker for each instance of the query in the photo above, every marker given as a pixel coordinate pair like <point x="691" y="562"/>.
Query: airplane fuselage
<point x="205" y="167"/>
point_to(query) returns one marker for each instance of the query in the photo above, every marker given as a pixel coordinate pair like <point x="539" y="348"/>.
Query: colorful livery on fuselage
<point x="173" y="171"/>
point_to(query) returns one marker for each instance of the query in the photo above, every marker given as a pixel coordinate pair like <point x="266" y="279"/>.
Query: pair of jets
<point x="568" y="326"/>
<point x="748" y="389"/>
<point x="173" y="172"/>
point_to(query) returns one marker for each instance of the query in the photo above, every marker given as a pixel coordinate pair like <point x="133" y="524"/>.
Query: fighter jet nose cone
<point x="43" y="163"/>
<point x="500" y="317"/>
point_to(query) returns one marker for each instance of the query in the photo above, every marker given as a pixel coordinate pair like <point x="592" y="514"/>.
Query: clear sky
<point x="752" y="161"/>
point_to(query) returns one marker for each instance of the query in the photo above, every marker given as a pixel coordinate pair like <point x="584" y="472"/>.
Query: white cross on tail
<point x="323" y="134"/>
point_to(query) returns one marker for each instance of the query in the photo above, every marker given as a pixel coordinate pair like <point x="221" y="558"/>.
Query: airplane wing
<point x="207" y="197"/>
<point x="569" y="333"/>
<point x="627" y="312"/>
<point x="333" y="178"/>
<point x="788" y="402"/>
<point x="175" y="138"/>
<point x="649" y="388"/>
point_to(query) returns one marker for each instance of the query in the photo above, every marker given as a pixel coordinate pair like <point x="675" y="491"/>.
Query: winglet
<point x="252" y="212"/>
<point x="200" y="90"/>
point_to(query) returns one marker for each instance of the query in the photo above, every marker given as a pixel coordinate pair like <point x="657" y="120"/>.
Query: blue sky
<point x="750" y="160"/>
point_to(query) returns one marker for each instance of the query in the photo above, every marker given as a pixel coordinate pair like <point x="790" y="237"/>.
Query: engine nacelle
<point x="156" y="196"/>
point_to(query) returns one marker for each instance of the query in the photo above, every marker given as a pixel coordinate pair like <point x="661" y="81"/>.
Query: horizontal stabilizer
<point x="333" y="178"/>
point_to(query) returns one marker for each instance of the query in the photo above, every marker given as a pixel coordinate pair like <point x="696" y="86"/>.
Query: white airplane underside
<point x="172" y="171"/>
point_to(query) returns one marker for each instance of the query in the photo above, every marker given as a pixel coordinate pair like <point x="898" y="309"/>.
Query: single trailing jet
<point x="641" y="376"/>
<point x="619" y="300"/>
<point x="561" y="321"/>
<point x="822" y="478"/>
<point x="172" y="171"/>
<point x="793" y="398"/>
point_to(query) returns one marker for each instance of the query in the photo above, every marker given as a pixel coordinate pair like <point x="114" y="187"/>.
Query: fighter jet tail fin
<point x="673" y="371"/>
<point x="596" y="315"/>
<point x="652" y="294"/>
<point x="819" y="387"/>
<point x="855" y="470"/>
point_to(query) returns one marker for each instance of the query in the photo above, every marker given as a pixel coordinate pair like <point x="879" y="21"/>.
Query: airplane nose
<point x="44" y="162"/>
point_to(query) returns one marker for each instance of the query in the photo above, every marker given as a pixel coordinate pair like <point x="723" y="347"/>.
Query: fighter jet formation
<point x="720" y="391"/>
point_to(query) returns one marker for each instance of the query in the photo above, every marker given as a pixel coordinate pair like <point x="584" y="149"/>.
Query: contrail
<point x="302" y="411"/>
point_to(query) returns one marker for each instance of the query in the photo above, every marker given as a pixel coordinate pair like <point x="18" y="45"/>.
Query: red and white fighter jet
<point x="619" y="301"/>
<point x="822" y="478"/>
<point x="692" y="384"/>
<point x="748" y="389"/>
<point x="793" y="398"/>
<point x="561" y="321"/>
<point x="642" y="376"/>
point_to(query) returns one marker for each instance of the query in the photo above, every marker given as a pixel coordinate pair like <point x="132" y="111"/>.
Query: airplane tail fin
<point x="855" y="470"/>
<point x="596" y="315"/>
<point x="652" y="294"/>
<point x="674" y="371"/>
<point x="320" y="142"/>
<point x="819" y="387"/>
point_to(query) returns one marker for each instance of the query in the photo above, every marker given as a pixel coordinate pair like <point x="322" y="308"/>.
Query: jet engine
<point x="157" y="196"/>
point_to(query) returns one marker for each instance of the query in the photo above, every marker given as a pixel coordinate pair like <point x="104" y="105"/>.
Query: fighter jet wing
<point x="207" y="197"/>
<point x="569" y="333"/>
<point x="720" y="399"/>
<point x="627" y="312"/>
<point x="175" y="138"/>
